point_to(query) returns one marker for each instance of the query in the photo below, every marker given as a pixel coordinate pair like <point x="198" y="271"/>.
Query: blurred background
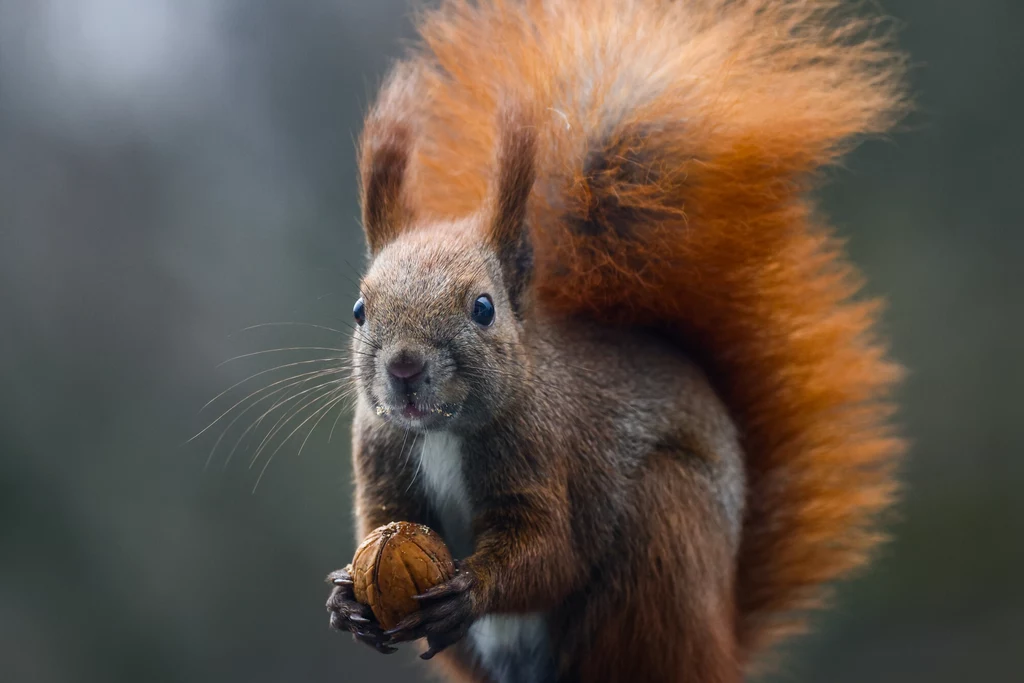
<point x="175" y="171"/>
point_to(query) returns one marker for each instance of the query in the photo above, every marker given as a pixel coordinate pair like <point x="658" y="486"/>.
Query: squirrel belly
<point x="605" y="344"/>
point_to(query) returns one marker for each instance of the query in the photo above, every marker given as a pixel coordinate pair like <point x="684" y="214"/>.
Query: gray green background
<point x="172" y="171"/>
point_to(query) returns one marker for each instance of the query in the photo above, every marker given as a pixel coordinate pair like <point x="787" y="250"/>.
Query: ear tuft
<point x="386" y="148"/>
<point x="516" y="172"/>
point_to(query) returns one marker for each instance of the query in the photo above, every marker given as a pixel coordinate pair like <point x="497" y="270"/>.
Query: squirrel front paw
<point x="349" y="615"/>
<point x="445" y="616"/>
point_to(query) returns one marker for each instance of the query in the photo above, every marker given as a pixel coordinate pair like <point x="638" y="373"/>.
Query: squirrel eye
<point x="483" y="310"/>
<point x="359" y="311"/>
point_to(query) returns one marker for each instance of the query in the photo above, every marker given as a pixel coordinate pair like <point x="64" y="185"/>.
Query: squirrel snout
<point x="406" y="366"/>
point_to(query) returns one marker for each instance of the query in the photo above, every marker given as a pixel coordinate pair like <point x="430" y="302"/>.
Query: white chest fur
<point x="440" y="472"/>
<point x="509" y="646"/>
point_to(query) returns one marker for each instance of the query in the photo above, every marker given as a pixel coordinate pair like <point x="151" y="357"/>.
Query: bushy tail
<point x="677" y="143"/>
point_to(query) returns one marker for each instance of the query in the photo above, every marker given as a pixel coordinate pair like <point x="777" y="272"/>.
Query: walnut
<point x="396" y="562"/>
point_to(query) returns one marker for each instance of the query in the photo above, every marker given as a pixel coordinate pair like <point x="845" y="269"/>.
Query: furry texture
<point x="676" y="142"/>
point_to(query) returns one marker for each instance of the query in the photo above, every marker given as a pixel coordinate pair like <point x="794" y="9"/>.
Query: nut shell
<point x="396" y="562"/>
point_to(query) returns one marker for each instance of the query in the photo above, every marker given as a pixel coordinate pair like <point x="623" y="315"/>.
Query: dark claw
<point x="442" y="591"/>
<point x="434" y="649"/>
<point x="435" y="592"/>
<point x="339" y="577"/>
<point x="410" y="622"/>
<point x="439" y="643"/>
<point x="460" y="584"/>
<point x="413" y="627"/>
<point x="373" y="641"/>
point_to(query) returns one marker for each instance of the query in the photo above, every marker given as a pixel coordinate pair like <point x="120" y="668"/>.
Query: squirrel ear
<point x="386" y="147"/>
<point x="510" y="235"/>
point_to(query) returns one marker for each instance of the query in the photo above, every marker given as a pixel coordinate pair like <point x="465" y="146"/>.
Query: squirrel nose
<point x="406" y="366"/>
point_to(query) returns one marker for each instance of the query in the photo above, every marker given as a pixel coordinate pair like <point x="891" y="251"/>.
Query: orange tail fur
<point x="677" y="143"/>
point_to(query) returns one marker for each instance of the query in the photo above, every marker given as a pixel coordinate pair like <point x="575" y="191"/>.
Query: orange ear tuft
<point x="516" y="172"/>
<point x="386" y="147"/>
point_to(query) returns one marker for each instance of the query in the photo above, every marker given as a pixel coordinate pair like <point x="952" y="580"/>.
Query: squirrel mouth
<point x="411" y="411"/>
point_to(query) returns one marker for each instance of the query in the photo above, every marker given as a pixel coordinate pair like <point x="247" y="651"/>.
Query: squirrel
<point x="606" y="346"/>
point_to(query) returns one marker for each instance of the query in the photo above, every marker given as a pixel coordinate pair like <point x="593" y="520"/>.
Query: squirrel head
<point x="438" y="342"/>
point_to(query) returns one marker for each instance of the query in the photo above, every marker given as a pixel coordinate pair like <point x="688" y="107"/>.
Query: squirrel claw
<point x="341" y="577"/>
<point x="374" y="641"/>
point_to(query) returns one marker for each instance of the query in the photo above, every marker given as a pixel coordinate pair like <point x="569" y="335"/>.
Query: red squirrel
<point x="605" y="346"/>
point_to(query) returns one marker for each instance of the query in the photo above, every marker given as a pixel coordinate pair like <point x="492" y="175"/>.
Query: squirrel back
<point x="675" y="143"/>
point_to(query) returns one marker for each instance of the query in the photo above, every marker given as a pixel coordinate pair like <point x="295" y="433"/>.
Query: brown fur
<point x="675" y="143"/>
<point x="600" y="499"/>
